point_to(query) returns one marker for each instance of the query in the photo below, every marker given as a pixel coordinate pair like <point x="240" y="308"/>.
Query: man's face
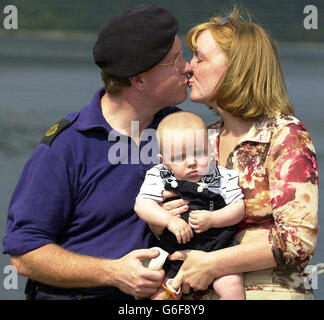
<point x="166" y="83"/>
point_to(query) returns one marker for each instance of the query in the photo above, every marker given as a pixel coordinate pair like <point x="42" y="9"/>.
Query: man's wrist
<point x="109" y="272"/>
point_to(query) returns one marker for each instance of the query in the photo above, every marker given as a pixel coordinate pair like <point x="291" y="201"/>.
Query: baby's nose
<point x="191" y="161"/>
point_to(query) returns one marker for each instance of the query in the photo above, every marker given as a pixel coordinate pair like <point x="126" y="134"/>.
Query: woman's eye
<point x="199" y="59"/>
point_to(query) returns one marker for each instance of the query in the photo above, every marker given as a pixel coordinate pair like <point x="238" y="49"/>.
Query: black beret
<point x="135" y="41"/>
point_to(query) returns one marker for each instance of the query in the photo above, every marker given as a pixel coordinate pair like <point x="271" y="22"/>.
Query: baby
<point x="215" y="201"/>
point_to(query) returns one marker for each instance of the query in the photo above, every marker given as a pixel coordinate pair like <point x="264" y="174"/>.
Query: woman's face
<point x="208" y="65"/>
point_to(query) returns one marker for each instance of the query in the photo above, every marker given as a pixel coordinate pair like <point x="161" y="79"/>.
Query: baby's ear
<point x="160" y="157"/>
<point x="161" y="160"/>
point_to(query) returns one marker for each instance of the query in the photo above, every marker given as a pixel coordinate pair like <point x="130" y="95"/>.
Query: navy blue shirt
<point x="70" y="194"/>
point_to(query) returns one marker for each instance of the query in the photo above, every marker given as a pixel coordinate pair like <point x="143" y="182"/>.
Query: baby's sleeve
<point x="153" y="185"/>
<point x="231" y="189"/>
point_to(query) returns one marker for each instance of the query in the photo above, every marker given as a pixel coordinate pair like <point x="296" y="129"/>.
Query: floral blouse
<point x="278" y="174"/>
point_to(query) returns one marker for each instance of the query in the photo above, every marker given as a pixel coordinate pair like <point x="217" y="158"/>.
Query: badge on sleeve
<point x="54" y="130"/>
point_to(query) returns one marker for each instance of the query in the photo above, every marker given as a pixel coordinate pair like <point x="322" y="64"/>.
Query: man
<point x="71" y="225"/>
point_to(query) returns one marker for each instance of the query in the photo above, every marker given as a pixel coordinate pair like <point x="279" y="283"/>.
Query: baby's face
<point x="187" y="156"/>
<point x="189" y="167"/>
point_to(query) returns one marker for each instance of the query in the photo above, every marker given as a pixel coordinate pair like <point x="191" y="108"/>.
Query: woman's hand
<point x="196" y="270"/>
<point x="175" y="207"/>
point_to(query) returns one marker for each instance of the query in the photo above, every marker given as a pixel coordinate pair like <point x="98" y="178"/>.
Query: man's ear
<point x="136" y="82"/>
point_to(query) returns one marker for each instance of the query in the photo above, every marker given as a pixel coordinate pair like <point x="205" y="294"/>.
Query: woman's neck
<point x="234" y="129"/>
<point x="234" y="126"/>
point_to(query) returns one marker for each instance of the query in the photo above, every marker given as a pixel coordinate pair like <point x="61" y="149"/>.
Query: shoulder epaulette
<point x="54" y="131"/>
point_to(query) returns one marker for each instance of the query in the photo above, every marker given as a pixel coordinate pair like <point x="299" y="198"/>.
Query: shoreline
<point x="58" y="35"/>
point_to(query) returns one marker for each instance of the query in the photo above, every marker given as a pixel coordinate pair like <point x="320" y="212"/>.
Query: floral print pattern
<point x="278" y="174"/>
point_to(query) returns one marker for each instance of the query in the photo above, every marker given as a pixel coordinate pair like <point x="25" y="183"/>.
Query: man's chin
<point x="183" y="99"/>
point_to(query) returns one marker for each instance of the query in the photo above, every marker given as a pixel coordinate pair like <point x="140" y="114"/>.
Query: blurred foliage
<point x="282" y="19"/>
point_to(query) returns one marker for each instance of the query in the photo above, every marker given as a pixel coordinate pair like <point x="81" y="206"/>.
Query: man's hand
<point x="200" y="220"/>
<point x="133" y="278"/>
<point x="180" y="229"/>
<point x="175" y="207"/>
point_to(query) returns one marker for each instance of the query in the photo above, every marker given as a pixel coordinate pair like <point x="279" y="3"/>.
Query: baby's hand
<point x="180" y="229"/>
<point x="200" y="220"/>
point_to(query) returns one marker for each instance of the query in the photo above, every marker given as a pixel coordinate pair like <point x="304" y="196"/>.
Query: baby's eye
<point x="178" y="158"/>
<point x="200" y="153"/>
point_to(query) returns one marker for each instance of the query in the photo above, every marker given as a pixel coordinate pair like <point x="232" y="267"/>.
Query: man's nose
<point x="187" y="67"/>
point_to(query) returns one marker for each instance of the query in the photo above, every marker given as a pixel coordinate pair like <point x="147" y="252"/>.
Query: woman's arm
<point x="201" y="268"/>
<point x="293" y="184"/>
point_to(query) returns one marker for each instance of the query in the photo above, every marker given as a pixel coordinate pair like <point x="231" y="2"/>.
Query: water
<point x="42" y="80"/>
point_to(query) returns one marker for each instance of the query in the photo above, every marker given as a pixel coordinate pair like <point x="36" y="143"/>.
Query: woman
<point x="236" y="71"/>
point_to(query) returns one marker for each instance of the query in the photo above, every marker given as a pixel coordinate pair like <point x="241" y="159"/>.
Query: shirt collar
<point x="260" y="130"/>
<point x="91" y="116"/>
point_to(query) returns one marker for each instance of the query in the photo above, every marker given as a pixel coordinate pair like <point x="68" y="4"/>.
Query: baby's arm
<point x="150" y="211"/>
<point x="202" y="220"/>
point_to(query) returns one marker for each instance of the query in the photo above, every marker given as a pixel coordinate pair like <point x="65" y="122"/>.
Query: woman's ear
<point x="136" y="82"/>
